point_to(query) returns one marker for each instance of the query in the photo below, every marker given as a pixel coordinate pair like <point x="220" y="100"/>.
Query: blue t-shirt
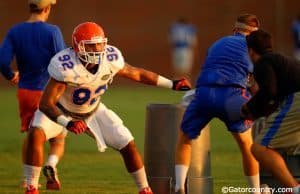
<point x="33" y="45"/>
<point x="227" y="63"/>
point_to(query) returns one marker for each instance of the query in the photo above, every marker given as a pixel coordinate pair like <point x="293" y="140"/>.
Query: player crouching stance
<point x="79" y="76"/>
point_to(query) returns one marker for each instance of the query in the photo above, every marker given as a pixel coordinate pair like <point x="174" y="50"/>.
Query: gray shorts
<point x="281" y="130"/>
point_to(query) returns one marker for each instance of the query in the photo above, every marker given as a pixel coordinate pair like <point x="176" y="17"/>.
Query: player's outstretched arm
<point x="151" y="78"/>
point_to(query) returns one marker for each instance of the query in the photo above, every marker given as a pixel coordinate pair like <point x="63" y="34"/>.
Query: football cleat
<point x="52" y="178"/>
<point x="146" y="190"/>
<point x="31" y="190"/>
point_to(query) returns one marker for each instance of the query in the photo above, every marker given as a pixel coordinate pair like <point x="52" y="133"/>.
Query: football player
<point x="220" y="92"/>
<point x="79" y="76"/>
<point x="183" y="41"/>
<point x="277" y="100"/>
<point x="33" y="56"/>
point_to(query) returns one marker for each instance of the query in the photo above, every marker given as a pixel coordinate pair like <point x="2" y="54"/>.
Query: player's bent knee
<point x="183" y="138"/>
<point x="130" y="147"/>
<point x="130" y="151"/>
<point x="36" y="136"/>
<point x="258" y="151"/>
<point x="58" y="139"/>
<point x="131" y="157"/>
<point x="244" y="140"/>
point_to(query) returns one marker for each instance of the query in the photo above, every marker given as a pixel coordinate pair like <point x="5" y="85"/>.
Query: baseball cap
<point x="42" y="3"/>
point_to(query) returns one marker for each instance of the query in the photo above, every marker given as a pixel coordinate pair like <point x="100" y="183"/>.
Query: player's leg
<point x="244" y="141"/>
<point x="57" y="145"/>
<point x="28" y="104"/>
<point x="274" y="163"/>
<point x="28" y="101"/>
<point x="117" y="136"/>
<point x="131" y="157"/>
<point x="234" y="98"/>
<point x="281" y="132"/>
<point x="42" y="129"/>
<point x="182" y="161"/>
<point x="135" y="166"/>
<point x="34" y="155"/>
<point x="196" y="116"/>
<point x="23" y="183"/>
<point x="250" y="165"/>
<point x="56" y="151"/>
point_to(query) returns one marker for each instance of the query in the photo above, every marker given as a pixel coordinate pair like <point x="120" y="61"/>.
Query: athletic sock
<point x="32" y="174"/>
<point x="253" y="182"/>
<point x="180" y="175"/>
<point x="140" y="178"/>
<point x="52" y="160"/>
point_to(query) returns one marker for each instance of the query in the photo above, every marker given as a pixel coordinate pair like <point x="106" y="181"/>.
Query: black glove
<point x="181" y="85"/>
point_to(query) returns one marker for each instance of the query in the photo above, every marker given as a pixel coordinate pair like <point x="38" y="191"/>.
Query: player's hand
<point x="77" y="127"/>
<point x="252" y="85"/>
<point x="15" y="79"/>
<point x="181" y="85"/>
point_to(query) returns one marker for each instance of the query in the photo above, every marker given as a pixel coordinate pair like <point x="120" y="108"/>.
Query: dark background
<point x="139" y="28"/>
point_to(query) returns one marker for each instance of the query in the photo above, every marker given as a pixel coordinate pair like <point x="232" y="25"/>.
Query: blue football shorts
<point x="216" y="102"/>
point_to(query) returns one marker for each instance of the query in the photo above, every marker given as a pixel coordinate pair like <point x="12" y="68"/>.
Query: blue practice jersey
<point x="33" y="45"/>
<point x="227" y="63"/>
<point x="296" y="33"/>
<point x="182" y="35"/>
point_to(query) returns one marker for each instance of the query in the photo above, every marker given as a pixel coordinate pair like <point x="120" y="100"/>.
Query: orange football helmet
<point x="89" y="33"/>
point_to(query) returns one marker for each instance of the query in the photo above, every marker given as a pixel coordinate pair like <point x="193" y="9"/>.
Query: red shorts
<point x="28" y="103"/>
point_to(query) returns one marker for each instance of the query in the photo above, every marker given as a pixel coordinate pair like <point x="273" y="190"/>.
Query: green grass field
<point x="84" y="170"/>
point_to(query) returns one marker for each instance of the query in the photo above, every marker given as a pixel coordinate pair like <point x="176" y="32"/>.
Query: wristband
<point x="63" y="120"/>
<point x="164" y="82"/>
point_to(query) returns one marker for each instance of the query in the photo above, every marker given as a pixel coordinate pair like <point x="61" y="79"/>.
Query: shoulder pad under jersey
<point x="115" y="58"/>
<point x="62" y="66"/>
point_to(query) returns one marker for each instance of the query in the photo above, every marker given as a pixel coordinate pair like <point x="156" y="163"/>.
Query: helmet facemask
<point x="92" y="57"/>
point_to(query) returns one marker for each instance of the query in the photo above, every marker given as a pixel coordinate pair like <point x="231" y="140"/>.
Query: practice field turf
<point x="84" y="170"/>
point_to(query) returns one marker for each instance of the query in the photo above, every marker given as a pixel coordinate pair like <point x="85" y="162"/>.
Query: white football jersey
<point x="84" y="89"/>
